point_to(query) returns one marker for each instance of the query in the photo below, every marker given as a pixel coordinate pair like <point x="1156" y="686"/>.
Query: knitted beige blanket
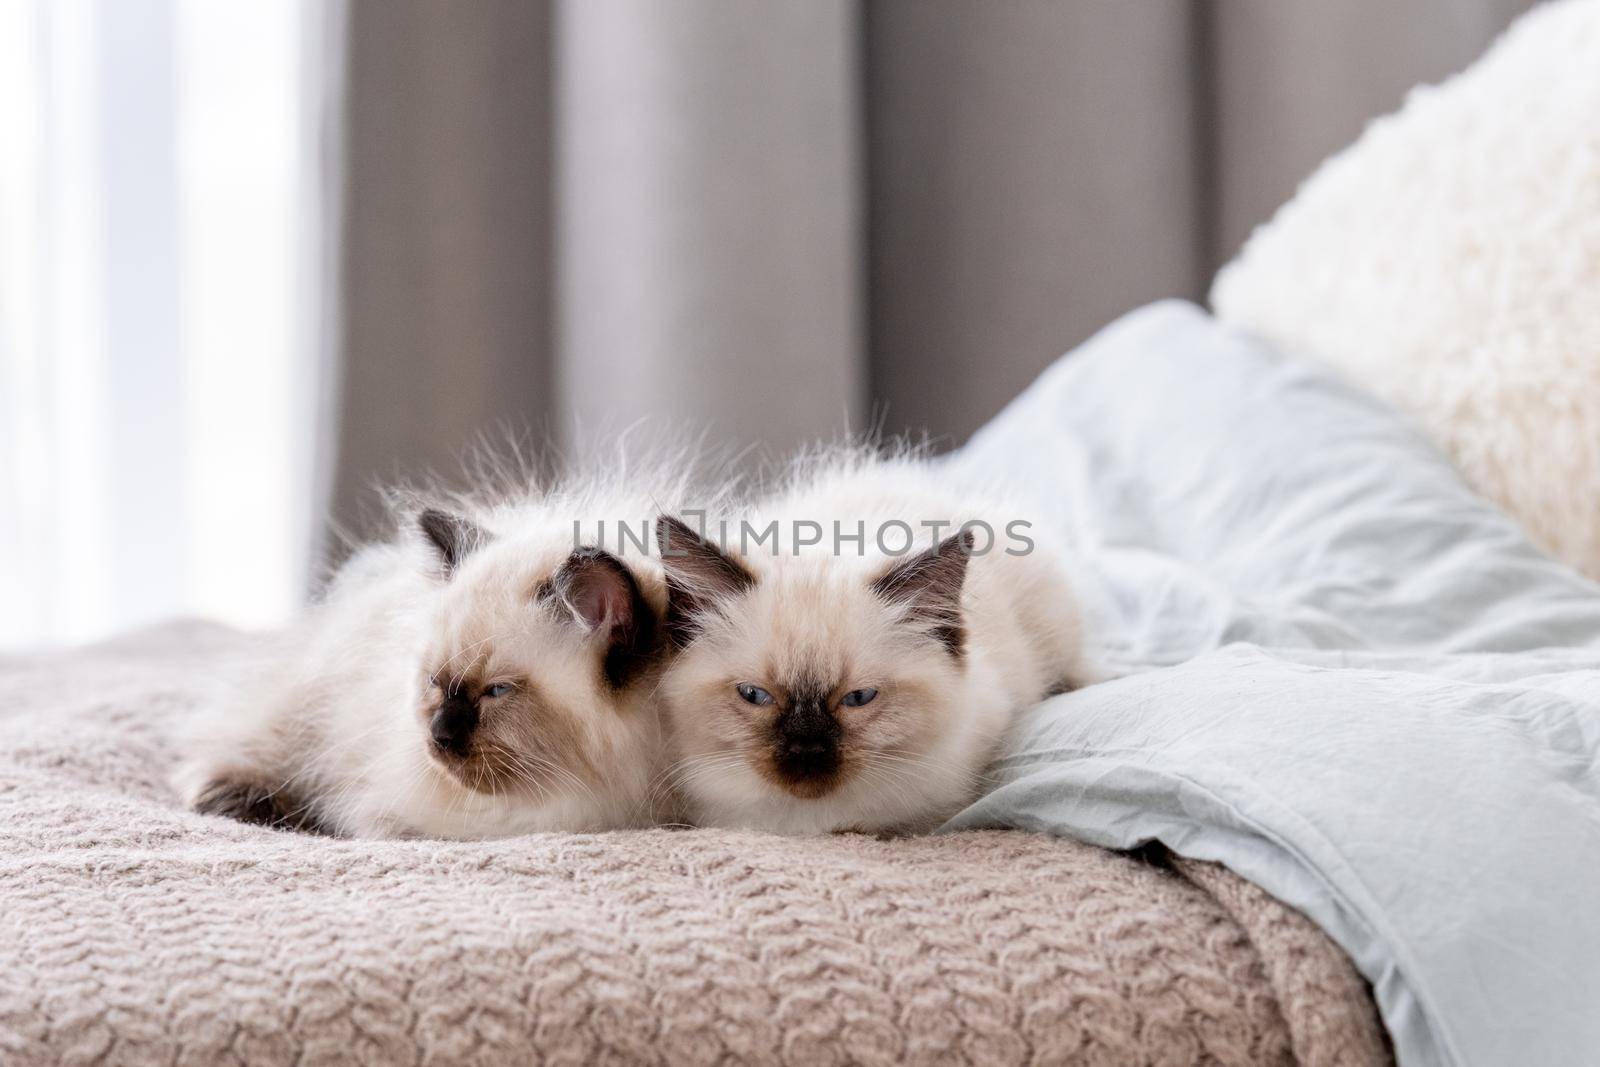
<point x="133" y="932"/>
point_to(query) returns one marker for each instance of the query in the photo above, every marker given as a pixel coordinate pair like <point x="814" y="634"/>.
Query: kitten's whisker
<point x="462" y="652"/>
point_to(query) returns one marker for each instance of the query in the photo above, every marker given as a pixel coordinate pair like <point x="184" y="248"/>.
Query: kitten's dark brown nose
<point x="807" y="739"/>
<point x="453" y="724"/>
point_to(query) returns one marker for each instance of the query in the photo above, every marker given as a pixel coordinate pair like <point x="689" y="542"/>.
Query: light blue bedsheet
<point x="1350" y="680"/>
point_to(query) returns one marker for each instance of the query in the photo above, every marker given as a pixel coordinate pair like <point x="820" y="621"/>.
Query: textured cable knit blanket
<point x="133" y="932"/>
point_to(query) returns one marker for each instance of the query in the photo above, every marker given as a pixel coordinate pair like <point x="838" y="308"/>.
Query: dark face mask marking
<point x="451" y="727"/>
<point x="806" y="736"/>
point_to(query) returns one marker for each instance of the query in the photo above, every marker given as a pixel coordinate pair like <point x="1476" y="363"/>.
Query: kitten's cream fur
<point x="332" y="732"/>
<point x="814" y="622"/>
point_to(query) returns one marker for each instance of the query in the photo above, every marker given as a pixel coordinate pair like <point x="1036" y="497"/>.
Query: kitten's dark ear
<point x="451" y="536"/>
<point x="602" y="598"/>
<point x="929" y="584"/>
<point x="698" y="572"/>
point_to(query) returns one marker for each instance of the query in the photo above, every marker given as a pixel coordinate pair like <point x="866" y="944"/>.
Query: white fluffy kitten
<point x="477" y="678"/>
<point x="819" y="691"/>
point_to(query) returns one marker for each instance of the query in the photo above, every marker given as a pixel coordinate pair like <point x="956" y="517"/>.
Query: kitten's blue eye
<point x="754" y="694"/>
<point x="857" y="697"/>
<point x="499" y="689"/>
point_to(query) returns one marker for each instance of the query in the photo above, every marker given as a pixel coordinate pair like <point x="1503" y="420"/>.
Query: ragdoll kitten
<point x="819" y="691"/>
<point x="480" y="677"/>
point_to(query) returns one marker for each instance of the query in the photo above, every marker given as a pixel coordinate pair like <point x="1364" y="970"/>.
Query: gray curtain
<point x="779" y="220"/>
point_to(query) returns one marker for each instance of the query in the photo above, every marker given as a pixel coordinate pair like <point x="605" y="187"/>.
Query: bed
<point x="134" y="932"/>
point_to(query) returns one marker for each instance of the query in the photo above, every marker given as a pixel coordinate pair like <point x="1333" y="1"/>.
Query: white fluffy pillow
<point x="1449" y="261"/>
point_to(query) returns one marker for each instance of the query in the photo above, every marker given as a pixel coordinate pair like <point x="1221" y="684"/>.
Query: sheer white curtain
<point x="161" y="326"/>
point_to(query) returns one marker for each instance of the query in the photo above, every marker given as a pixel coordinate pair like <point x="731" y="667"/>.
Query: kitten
<point x="478" y="678"/>
<point x="819" y="691"/>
